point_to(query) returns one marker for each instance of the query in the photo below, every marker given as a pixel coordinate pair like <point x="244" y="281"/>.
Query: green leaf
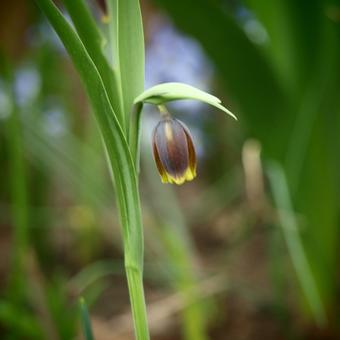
<point x="85" y="320"/>
<point x="124" y="173"/>
<point x="22" y="322"/>
<point x="166" y="92"/>
<point x="294" y="35"/>
<point x="93" y="41"/>
<point x="114" y="138"/>
<point x="293" y="240"/>
<point x="127" y="39"/>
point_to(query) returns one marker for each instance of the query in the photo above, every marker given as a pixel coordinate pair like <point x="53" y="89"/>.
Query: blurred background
<point x="249" y="250"/>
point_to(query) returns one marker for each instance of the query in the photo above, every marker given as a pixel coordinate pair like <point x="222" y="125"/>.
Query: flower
<point x="174" y="151"/>
<point x="103" y="8"/>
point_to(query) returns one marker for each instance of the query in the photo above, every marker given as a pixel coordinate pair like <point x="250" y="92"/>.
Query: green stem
<point x="136" y="292"/>
<point x="133" y="258"/>
<point x="164" y="111"/>
<point x="135" y="133"/>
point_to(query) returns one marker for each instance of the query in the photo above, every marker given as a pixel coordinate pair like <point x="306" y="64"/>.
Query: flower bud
<point x="103" y="8"/>
<point x="174" y="152"/>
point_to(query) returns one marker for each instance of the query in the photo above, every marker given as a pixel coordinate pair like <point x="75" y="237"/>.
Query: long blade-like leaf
<point x="93" y="42"/>
<point x="115" y="142"/>
<point x="128" y="38"/>
<point x="120" y="160"/>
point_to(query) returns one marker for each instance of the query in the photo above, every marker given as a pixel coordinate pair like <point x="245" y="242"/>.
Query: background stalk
<point x="18" y="188"/>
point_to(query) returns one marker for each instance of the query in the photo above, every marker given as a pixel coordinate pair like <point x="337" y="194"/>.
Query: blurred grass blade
<point x="18" y="187"/>
<point x="127" y="38"/>
<point x="24" y="324"/>
<point x="294" y="243"/>
<point x="93" y="42"/>
<point x="294" y="29"/>
<point x="166" y="92"/>
<point x="85" y="320"/>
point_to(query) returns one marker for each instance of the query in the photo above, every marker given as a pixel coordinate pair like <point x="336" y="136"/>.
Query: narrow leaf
<point x="166" y="92"/>
<point x="120" y="160"/>
<point x="126" y="24"/>
<point x="114" y="138"/>
<point x="93" y="41"/>
<point x="85" y="320"/>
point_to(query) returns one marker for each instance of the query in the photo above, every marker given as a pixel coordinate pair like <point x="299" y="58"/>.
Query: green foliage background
<point x="285" y="92"/>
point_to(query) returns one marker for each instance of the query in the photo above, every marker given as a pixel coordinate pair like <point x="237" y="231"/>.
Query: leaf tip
<point x="221" y="107"/>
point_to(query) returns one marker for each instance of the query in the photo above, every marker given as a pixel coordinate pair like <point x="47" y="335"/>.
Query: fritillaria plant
<point x="112" y="71"/>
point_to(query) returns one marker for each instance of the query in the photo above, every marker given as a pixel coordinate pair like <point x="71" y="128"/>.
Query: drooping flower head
<point x="103" y="8"/>
<point x="174" y="151"/>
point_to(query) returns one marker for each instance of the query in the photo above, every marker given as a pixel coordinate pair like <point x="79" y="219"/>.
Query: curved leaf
<point x="166" y="92"/>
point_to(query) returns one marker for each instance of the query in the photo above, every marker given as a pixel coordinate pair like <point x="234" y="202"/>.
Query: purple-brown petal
<point x="103" y="9"/>
<point x="191" y="150"/>
<point x="102" y="6"/>
<point x="159" y="165"/>
<point x="174" y="151"/>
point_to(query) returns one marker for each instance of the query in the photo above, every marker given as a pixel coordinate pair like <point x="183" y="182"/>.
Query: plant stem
<point x="133" y="258"/>
<point x="135" y="134"/>
<point x="164" y="111"/>
<point x="136" y="292"/>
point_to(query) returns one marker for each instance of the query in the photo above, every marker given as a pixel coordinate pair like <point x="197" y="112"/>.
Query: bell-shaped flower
<point x="174" y="151"/>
